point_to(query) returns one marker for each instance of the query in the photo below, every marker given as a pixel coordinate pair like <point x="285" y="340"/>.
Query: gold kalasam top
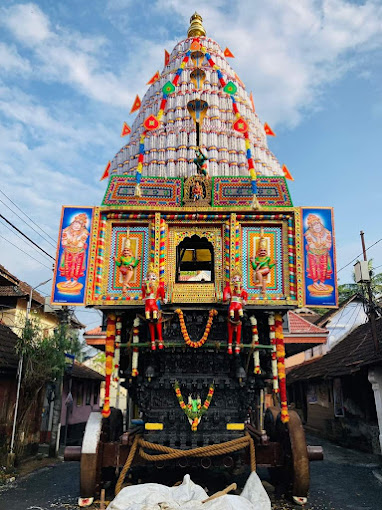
<point x="196" y="28"/>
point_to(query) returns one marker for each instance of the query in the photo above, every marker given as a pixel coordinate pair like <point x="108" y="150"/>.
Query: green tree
<point x="43" y="361"/>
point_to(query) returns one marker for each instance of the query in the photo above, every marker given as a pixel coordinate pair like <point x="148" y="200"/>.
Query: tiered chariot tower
<point x="194" y="257"/>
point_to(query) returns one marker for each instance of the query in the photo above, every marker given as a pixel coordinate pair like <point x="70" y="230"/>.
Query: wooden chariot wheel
<point x="292" y="478"/>
<point x="90" y="456"/>
<point x="98" y="430"/>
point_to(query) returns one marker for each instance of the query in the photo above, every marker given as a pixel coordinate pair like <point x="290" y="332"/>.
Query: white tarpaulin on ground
<point x="188" y="495"/>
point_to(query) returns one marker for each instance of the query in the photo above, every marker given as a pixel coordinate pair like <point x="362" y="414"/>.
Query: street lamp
<point x="20" y="367"/>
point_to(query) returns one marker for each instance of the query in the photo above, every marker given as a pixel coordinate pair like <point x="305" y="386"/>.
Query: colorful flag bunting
<point x="228" y="53"/>
<point x="230" y="88"/>
<point x="105" y="174"/>
<point x="240" y="125"/>
<point x="154" y="78"/>
<point x="252" y="102"/>
<point x="136" y="105"/>
<point x="151" y="123"/>
<point x="166" y="57"/>
<point x="195" y="45"/>
<point x="126" y="130"/>
<point x="287" y="173"/>
<point x="268" y="130"/>
<point x="168" y="88"/>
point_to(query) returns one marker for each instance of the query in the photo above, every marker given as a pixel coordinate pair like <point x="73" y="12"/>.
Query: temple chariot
<point x="194" y="257"/>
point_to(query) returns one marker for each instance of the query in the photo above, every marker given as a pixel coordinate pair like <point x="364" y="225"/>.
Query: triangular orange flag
<point x="268" y="130"/>
<point x="287" y="173"/>
<point x="166" y="57"/>
<point x="105" y="174"/>
<point x="252" y="102"/>
<point x="228" y="53"/>
<point x="136" y="105"/>
<point x="154" y="78"/>
<point x="125" y="130"/>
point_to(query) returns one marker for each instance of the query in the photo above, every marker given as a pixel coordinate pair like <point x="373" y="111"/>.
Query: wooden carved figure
<point x="197" y="191"/>
<point x="262" y="264"/>
<point x="152" y="293"/>
<point x="237" y="297"/>
<point x="201" y="162"/>
<point x="126" y="263"/>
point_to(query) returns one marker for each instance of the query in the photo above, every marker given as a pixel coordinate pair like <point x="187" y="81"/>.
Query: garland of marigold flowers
<point x="109" y="353"/>
<point x="280" y="352"/>
<point x="185" y="334"/>
<point x="195" y="416"/>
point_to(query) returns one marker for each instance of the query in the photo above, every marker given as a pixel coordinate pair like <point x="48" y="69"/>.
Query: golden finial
<point x="196" y="28"/>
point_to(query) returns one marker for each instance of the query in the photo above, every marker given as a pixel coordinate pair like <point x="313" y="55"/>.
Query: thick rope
<point x="127" y="465"/>
<point x="167" y="453"/>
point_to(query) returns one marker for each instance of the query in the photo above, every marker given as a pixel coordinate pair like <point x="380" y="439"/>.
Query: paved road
<point x="343" y="481"/>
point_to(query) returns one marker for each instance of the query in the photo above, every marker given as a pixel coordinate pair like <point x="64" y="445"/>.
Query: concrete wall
<point x="15" y="317"/>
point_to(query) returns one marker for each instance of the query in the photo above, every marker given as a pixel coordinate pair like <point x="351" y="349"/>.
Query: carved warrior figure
<point x="262" y="264"/>
<point x="153" y="294"/>
<point x="73" y="241"/>
<point x="126" y="263"/>
<point x="201" y="162"/>
<point x="237" y="297"/>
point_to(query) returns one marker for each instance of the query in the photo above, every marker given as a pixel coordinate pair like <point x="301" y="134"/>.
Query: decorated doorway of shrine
<point x="194" y="264"/>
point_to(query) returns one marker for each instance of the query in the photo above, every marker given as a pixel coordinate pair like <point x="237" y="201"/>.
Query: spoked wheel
<point x="292" y="478"/>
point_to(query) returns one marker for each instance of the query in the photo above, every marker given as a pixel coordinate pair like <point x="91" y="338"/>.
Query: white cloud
<point x="287" y="52"/>
<point x="11" y="61"/>
<point x="27" y="22"/>
<point x="66" y="56"/>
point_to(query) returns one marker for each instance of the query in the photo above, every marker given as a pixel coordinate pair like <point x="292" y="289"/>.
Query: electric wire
<point x="24" y="235"/>
<point x="30" y="226"/>
<point x="355" y="258"/>
<point x="24" y="252"/>
<point x="25" y="214"/>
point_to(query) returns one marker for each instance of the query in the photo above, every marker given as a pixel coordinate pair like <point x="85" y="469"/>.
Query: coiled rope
<point x="167" y="453"/>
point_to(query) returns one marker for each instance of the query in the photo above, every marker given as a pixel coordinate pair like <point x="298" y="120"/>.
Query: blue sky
<point x="69" y="72"/>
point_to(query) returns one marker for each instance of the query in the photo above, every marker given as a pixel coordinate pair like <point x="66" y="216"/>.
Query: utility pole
<point x="20" y="373"/>
<point x="57" y="406"/>
<point x="371" y="309"/>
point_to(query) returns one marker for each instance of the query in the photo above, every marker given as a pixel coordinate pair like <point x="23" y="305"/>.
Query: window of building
<point x="195" y="261"/>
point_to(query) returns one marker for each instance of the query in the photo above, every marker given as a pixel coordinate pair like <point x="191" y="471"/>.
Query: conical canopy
<point x="169" y="150"/>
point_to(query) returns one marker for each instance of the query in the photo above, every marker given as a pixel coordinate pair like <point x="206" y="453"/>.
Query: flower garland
<point x="109" y="352"/>
<point x="280" y="352"/>
<point x="134" y="361"/>
<point x="272" y="337"/>
<point x="194" y="410"/>
<point x="255" y="343"/>
<point x="185" y="334"/>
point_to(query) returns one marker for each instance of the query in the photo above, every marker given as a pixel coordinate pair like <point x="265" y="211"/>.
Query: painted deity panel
<point x="262" y="262"/>
<point x="70" y="273"/>
<point x="320" y="282"/>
